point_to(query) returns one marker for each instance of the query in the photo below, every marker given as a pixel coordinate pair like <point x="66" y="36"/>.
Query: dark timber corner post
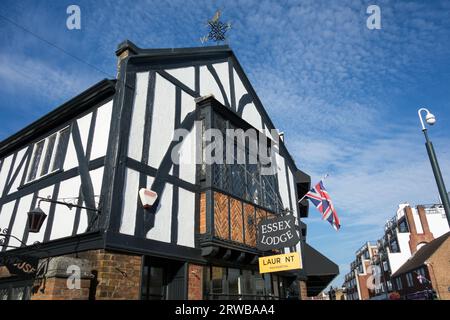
<point x="114" y="171"/>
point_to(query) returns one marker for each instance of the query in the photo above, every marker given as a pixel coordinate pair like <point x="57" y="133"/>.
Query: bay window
<point x="242" y="179"/>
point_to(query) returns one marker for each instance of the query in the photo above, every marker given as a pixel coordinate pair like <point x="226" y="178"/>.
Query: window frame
<point x="399" y="283"/>
<point x="409" y="279"/>
<point x="52" y="167"/>
<point x="9" y="285"/>
<point x="421" y="271"/>
<point x="403" y="226"/>
<point x="273" y="283"/>
<point x="274" y="205"/>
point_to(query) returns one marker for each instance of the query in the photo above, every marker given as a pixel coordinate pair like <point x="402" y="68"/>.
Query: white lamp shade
<point x="148" y="197"/>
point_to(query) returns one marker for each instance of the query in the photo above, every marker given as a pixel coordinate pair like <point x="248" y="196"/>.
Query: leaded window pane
<point x="203" y="165"/>
<point x="4" y="294"/>
<point x="243" y="180"/>
<point x="36" y="159"/>
<point x="63" y="141"/>
<point x="238" y="179"/>
<point x="233" y="281"/>
<point x="48" y="154"/>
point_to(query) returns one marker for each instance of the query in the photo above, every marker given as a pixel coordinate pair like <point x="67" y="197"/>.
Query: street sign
<point x="277" y="233"/>
<point x="280" y="262"/>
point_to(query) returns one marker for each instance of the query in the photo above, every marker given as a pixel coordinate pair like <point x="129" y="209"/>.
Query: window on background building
<point x="421" y="271"/>
<point x="394" y="246"/>
<point x="398" y="283"/>
<point x="48" y="155"/>
<point x="360" y="268"/>
<point x="385" y="266"/>
<point x="409" y="279"/>
<point x="403" y="226"/>
<point x="367" y="255"/>
<point x="389" y="285"/>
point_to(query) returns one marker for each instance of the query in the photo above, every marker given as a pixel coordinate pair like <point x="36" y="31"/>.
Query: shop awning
<point x="319" y="269"/>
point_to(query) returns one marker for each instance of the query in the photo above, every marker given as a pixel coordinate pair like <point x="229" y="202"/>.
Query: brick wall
<point x="195" y="282"/>
<point x="365" y="292"/>
<point x="303" y="290"/>
<point x="104" y="275"/>
<point x="118" y="275"/>
<point x="438" y="268"/>
<point x="414" y="237"/>
<point x="56" y="289"/>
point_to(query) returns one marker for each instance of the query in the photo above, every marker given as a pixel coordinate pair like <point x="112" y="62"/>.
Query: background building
<point x="356" y="279"/>
<point x="426" y="274"/>
<point x="90" y="157"/>
<point x="408" y="231"/>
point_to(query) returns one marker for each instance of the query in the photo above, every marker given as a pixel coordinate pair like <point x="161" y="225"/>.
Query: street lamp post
<point x="430" y="119"/>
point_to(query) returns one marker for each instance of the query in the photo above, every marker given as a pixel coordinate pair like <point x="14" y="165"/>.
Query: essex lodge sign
<point x="277" y="233"/>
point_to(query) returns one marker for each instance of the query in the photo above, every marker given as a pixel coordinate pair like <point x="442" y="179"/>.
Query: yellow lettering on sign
<point x="280" y="262"/>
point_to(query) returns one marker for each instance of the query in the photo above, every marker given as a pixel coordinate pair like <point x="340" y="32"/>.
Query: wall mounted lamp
<point x="37" y="216"/>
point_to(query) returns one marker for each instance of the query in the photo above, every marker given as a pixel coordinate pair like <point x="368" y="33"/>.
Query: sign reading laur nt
<point x="280" y="262"/>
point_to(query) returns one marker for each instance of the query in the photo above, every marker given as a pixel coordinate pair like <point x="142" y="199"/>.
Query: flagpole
<point x="323" y="178"/>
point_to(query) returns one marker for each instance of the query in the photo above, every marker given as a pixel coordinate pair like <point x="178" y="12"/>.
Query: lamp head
<point x="36" y="218"/>
<point x="430" y="118"/>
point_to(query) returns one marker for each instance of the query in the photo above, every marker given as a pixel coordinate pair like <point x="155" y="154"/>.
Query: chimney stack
<point x="124" y="50"/>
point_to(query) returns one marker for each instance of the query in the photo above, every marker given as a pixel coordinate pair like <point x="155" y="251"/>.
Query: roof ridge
<point x="129" y="45"/>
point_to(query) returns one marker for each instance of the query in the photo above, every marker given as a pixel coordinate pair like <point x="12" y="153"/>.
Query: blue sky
<point x="345" y="96"/>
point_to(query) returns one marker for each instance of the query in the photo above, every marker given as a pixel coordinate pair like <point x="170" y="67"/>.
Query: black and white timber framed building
<point x="99" y="148"/>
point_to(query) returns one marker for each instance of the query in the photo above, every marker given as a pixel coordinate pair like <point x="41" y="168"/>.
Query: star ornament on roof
<point x="217" y="29"/>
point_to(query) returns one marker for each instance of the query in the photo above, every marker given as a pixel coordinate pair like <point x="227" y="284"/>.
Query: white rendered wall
<point x="138" y="117"/>
<point x="163" y="120"/>
<point x="101" y="133"/>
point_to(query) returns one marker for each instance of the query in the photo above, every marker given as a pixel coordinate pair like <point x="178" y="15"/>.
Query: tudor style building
<point x="96" y="151"/>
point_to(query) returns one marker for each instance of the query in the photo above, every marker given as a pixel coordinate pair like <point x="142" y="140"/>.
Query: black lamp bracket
<point x="67" y="204"/>
<point x="4" y="233"/>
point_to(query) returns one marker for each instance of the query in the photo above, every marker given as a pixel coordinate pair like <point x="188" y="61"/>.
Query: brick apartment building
<point x="426" y="271"/>
<point x="408" y="231"/>
<point x="356" y="280"/>
<point x="70" y="182"/>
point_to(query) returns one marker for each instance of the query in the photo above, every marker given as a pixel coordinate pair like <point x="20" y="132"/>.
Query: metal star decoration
<point x="217" y="29"/>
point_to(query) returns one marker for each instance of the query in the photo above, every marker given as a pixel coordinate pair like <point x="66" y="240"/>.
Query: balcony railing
<point x="391" y="224"/>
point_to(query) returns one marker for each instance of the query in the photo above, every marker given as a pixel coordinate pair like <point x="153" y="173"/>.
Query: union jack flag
<point x="322" y="201"/>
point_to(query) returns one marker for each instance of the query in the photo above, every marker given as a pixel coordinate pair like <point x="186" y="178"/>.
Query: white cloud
<point x="24" y="74"/>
